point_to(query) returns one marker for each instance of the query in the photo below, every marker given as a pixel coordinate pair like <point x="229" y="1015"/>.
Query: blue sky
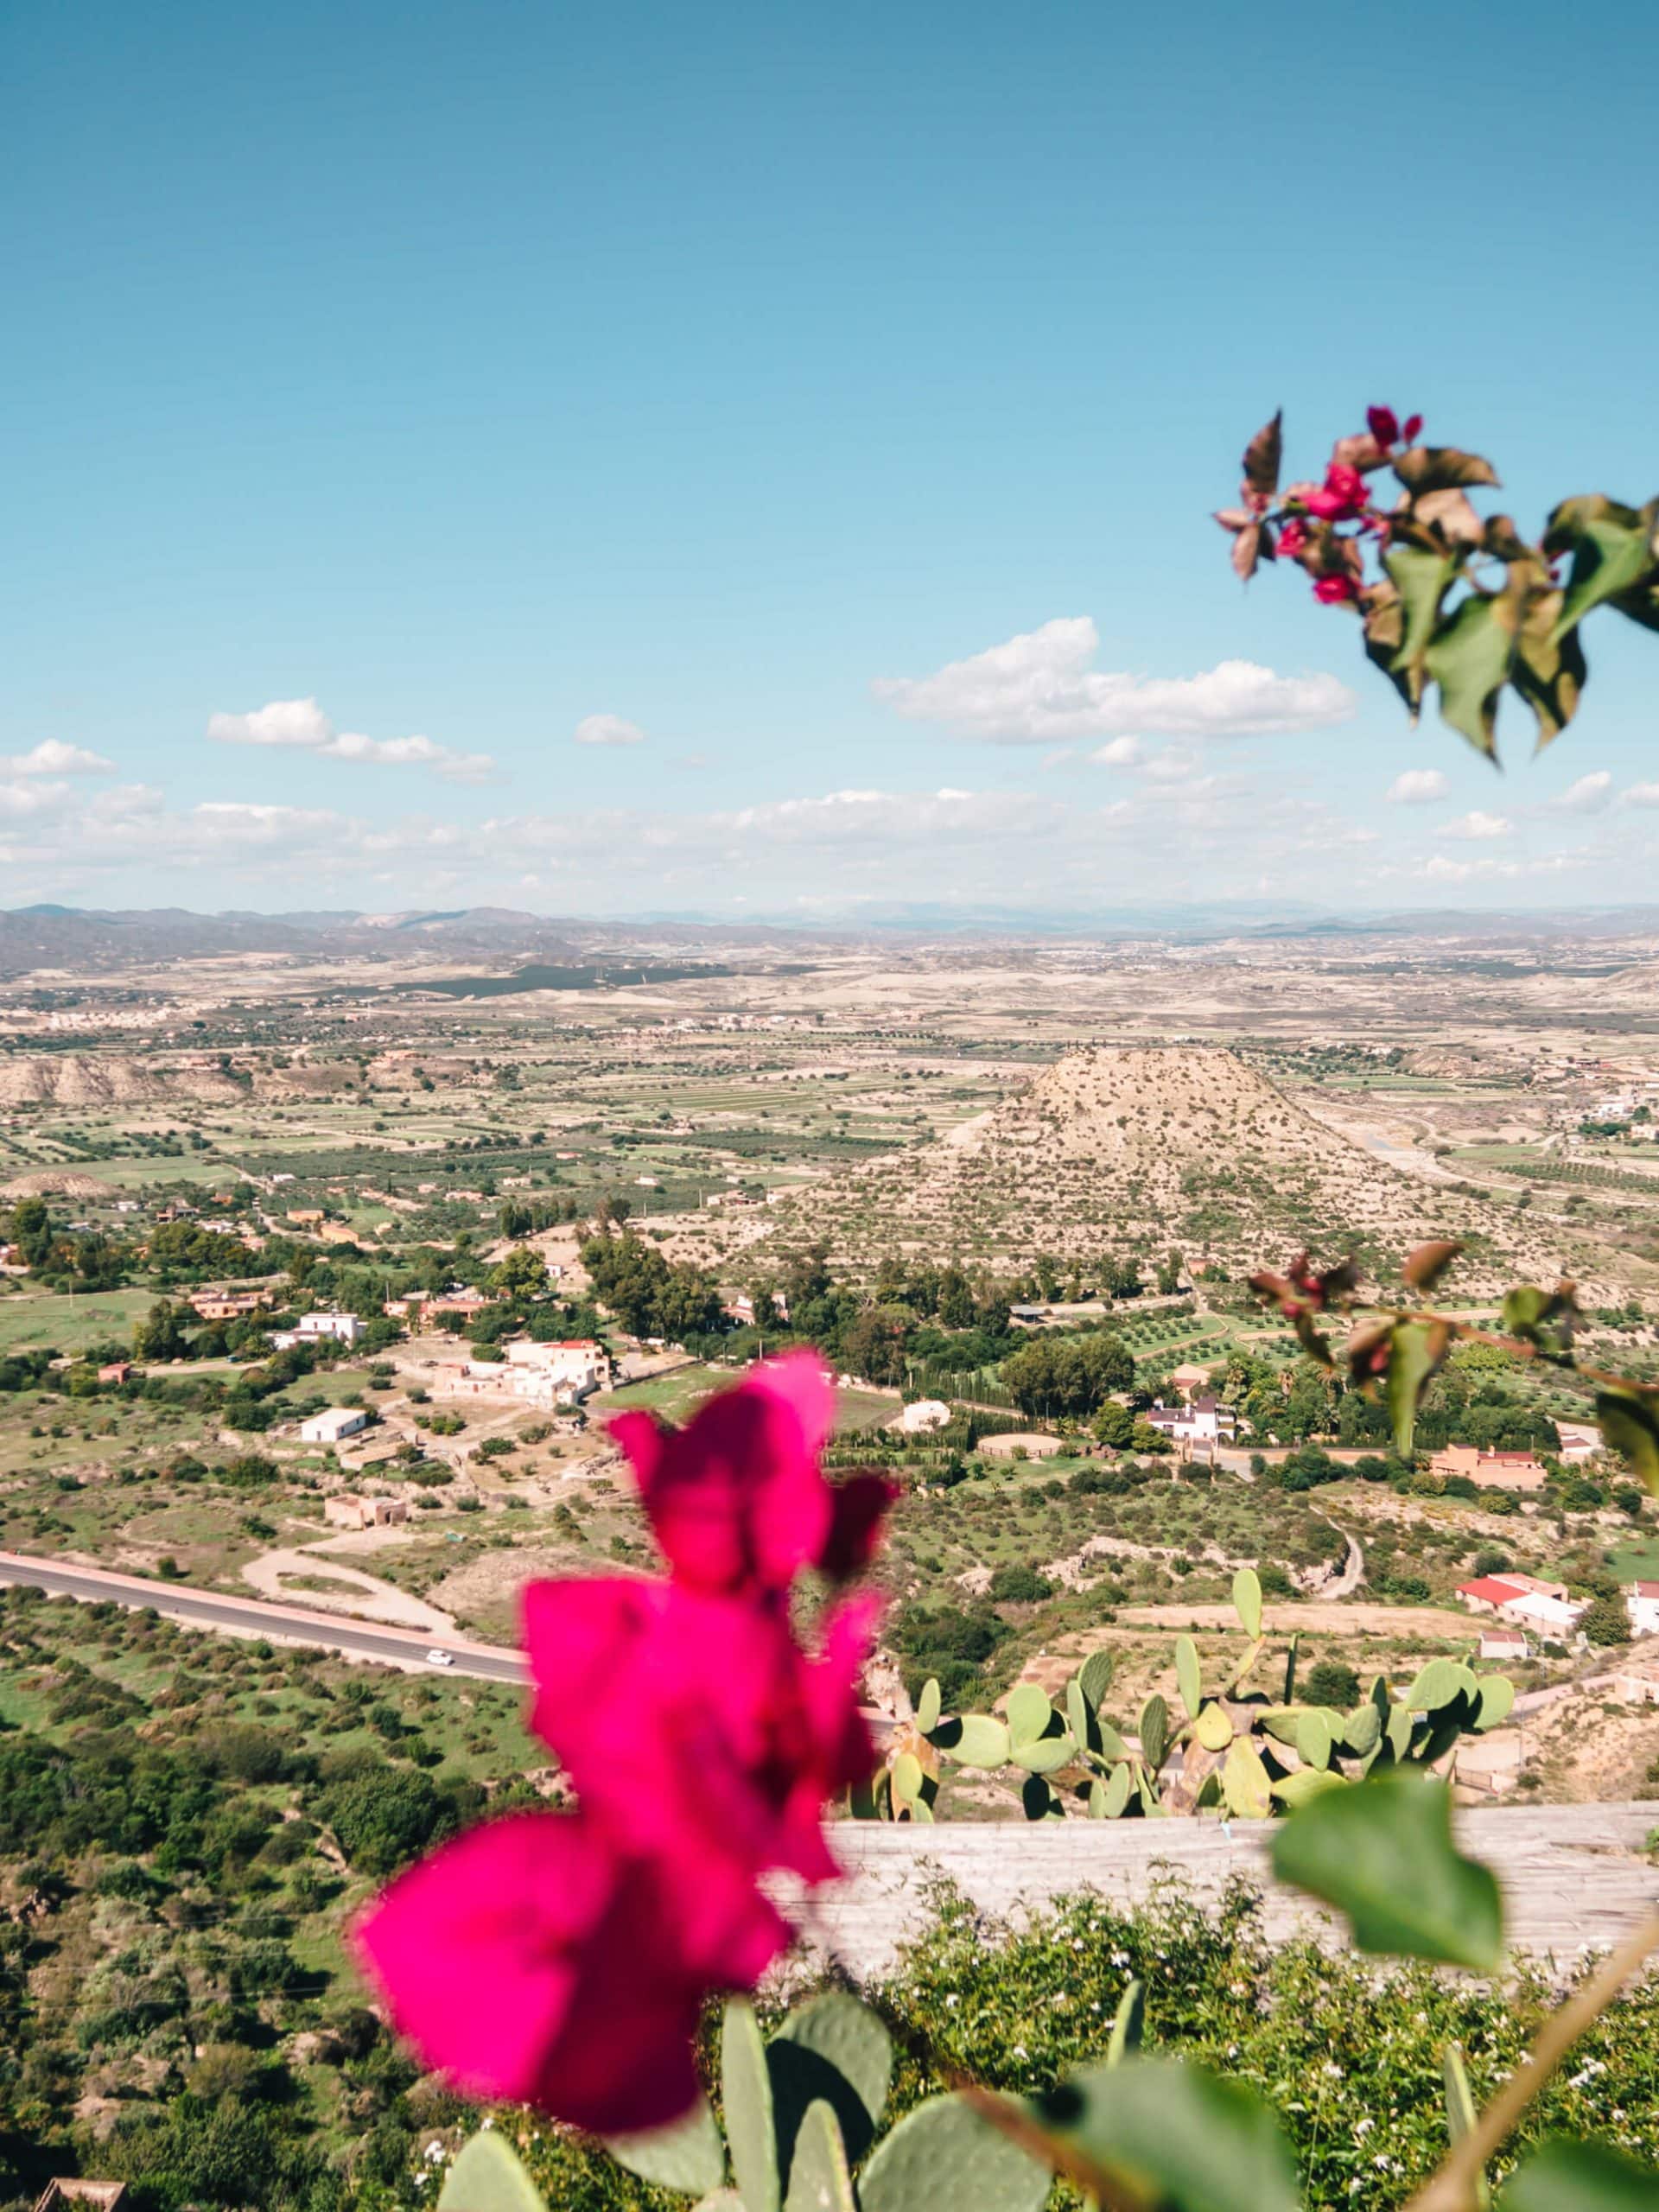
<point x="728" y="379"/>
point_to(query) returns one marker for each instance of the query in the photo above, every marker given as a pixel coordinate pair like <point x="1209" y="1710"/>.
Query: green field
<point x="31" y="1318"/>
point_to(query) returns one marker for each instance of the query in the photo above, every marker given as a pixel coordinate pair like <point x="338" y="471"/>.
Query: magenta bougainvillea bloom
<point x="736" y="1498"/>
<point x="1341" y="497"/>
<point x="697" y="1723"/>
<point x="531" y="1959"/>
<point x="564" y="1960"/>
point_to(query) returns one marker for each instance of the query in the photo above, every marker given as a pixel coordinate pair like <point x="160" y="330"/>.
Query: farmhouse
<point x="333" y="1424"/>
<point x="227" y="1305"/>
<point x="365" y="1512"/>
<point x="1506" y="1645"/>
<point x="316" y="1328"/>
<point x="1642" y="1603"/>
<point x="1490" y="1470"/>
<point x="1524" y="1602"/>
<point x="1580" y="1440"/>
<point x="1202" y="1419"/>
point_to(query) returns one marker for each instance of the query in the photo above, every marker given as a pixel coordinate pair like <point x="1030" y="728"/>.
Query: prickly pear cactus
<point x="1234" y="1750"/>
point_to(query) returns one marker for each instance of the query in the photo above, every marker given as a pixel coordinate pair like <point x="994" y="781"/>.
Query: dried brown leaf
<point x="1263" y="455"/>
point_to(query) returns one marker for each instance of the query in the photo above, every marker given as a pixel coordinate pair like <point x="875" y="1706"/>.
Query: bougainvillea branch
<point x="1444" y="595"/>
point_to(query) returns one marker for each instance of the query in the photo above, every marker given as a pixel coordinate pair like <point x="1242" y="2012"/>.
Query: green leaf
<point x="1045" y="1754"/>
<point x="908" y="1777"/>
<point x="1415" y="1351"/>
<point x="944" y="2157"/>
<point x="1154" y="1730"/>
<point x="1497" y="1695"/>
<point x="1468" y="657"/>
<point x="1172" y="2137"/>
<point x="1629" y="1416"/>
<point x="1550" y="672"/>
<point x="1079" y="1717"/>
<point x="1362" y="1731"/>
<point x="1381" y="1852"/>
<point x="1212" y="1728"/>
<point x="1189" y="1675"/>
<point x="833" y="2051"/>
<point x="1592" y="2176"/>
<point x="1244" y="1782"/>
<point x="818" y="2179"/>
<point x="1246" y="1601"/>
<point x="1028" y="1712"/>
<point x="1119" y="1782"/>
<point x="1460" y="2113"/>
<point x="721" y="2200"/>
<point x="1110" y="1745"/>
<point x="1128" y="2023"/>
<point x="751" y="2118"/>
<point x="1422" y="580"/>
<point x="1096" y="1676"/>
<point x="1608" y="557"/>
<point x="1293" y="1789"/>
<point x="687" y="2155"/>
<point x="1436" y="1684"/>
<point x="1314" y="1737"/>
<point x="488" y="2175"/>
<point x="975" y="1739"/>
<point x="928" y="1707"/>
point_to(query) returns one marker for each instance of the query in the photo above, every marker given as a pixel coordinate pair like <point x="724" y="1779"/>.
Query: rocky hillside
<point x="1144" y="1148"/>
<point x="105" y="1079"/>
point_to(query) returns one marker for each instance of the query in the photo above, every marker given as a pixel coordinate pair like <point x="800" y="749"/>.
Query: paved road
<point x="249" y="1617"/>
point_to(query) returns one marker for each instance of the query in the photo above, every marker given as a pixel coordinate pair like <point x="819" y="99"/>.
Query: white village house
<point x="318" y="1328"/>
<point x="1642" y="1603"/>
<point x="333" y="1424"/>
<point x="1524" y="1602"/>
<point x="1202" y="1419"/>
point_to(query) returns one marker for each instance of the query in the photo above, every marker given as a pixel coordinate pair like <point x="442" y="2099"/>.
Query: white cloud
<point x="608" y="729"/>
<point x="52" y="757"/>
<point x="1120" y="752"/>
<point x="1418" y="786"/>
<point x="1640" y="795"/>
<point x="301" y="725"/>
<point x="1473" y="827"/>
<point x="1040" y="688"/>
<point x="1589" y="795"/>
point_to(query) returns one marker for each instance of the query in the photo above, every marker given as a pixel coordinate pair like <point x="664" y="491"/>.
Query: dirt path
<point x="1416" y="1622"/>
<point x="274" y="1575"/>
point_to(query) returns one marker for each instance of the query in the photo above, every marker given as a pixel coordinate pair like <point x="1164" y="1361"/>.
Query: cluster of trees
<point x="62" y="1259"/>
<point x="1069" y="1377"/>
<point x="175" y="1867"/>
<point x="650" y="1295"/>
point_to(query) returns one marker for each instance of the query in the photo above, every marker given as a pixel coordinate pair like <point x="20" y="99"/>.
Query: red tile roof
<point x="1493" y="1590"/>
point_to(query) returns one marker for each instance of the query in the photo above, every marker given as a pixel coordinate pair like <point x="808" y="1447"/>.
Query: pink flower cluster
<point x="563" y="1959"/>
<point x="1336" y="562"/>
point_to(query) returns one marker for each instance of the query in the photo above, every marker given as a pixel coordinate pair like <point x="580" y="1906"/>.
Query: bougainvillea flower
<point x="736" y="1498"/>
<point x="696" y="1725"/>
<point x="1410" y="429"/>
<point x="1383" y="425"/>
<point x="530" y="1960"/>
<point x="1335" y="590"/>
<point x="1293" y="539"/>
<point x="1341" y="497"/>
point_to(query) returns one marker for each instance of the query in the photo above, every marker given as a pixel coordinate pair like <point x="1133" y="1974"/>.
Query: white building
<point x="924" y="1414"/>
<point x="333" y="1424"/>
<point x="1642" y="1603"/>
<point x="1506" y="1645"/>
<point x="316" y="1328"/>
<point x="1200" y="1421"/>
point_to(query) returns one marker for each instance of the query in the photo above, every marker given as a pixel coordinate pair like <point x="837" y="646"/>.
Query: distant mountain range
<point x="89" y="940"/>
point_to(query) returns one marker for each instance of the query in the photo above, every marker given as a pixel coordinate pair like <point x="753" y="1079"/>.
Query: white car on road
<point x="436" y="1658"/>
